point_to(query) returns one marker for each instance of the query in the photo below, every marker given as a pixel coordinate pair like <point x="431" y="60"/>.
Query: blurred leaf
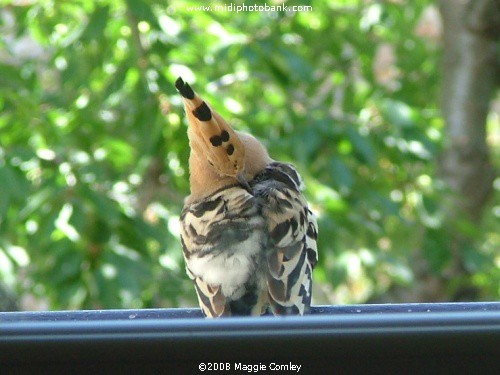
<point x="141" y="11"/>
<point x="436" y="250"/>
<point x="104" y="206"/>
<point x="97" y="24"/>
<point x="362" y="146"/>
<point x="397" y="113"/>
<point x="341" y="174"/>
<point x="120" y="153"/>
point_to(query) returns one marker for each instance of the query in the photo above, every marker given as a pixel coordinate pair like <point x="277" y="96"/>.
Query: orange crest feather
<point x="210" y="134"/>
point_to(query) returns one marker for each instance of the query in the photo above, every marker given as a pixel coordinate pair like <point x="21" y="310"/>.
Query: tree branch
<point x="469" y="69"/>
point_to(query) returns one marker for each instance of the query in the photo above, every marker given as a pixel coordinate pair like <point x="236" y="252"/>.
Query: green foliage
<point x="93" y="153"/>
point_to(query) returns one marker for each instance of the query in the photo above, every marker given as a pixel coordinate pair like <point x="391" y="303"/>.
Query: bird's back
<point x="246" y="250"/>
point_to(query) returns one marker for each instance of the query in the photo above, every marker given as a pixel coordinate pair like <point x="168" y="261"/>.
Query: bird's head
<point x="219" y="154"/>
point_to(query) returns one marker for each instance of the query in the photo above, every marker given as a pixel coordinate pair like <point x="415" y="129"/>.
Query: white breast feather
<point x="229" y="270"/>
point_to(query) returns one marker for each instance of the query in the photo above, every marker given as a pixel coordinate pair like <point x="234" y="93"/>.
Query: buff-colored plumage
<point x="248" y="236"/>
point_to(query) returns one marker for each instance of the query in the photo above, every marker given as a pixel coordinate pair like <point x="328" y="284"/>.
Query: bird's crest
<point x="210" y="135"/>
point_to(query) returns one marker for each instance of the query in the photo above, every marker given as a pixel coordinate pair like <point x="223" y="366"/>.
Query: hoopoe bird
<point x="247" y="233"/>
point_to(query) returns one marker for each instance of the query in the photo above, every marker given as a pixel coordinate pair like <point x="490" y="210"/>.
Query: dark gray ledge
<point x="375" y="338"/>
<point x="182" y="313"/>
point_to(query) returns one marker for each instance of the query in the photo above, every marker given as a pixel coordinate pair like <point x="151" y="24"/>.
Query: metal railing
<point x="374" y="338"/>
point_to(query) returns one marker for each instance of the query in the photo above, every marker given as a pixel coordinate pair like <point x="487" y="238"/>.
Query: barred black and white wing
<point x="245" y="251"/>
<point x="222" y="239"/>
<point x="292" y="232"/>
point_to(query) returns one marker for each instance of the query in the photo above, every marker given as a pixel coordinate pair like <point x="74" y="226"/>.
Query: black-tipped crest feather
<point x="184" y="89"/>
<point x="203" y="113"/>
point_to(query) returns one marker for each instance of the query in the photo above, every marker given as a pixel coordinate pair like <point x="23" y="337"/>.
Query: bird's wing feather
<point x="210" y="230"/>
<point x="293" y="231"/>
<point x="211" y="299"/>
